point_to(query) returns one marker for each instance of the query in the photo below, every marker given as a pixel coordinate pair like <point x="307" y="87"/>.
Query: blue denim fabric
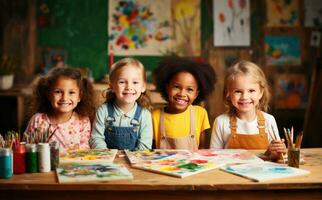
<point x="117" y="137"/>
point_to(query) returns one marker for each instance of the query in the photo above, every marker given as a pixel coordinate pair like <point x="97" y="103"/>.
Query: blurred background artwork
<point x="231" y="22"/>
<point x="139" y="27"/>
<point x="290" y="91"/>
<point x="282" y="50"/>
<point x="282" y="13"/>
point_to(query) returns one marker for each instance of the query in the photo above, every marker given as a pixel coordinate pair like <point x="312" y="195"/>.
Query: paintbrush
<point x="298" y="141"/>
<point x="273" y="136"/>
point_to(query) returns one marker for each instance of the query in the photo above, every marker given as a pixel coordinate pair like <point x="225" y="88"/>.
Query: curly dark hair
<point x="40" y="102"/>
<point x="170" y="66"/>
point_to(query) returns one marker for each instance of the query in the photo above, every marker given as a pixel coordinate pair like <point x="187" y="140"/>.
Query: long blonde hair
<point x="251" y="69"/>
<point x="143" y="100"/>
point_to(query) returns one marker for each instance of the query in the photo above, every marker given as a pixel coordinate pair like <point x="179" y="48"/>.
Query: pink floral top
<point x="73" y="134"/>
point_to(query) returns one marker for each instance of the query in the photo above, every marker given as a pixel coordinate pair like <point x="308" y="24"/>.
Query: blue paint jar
<point x="5" y="163"/>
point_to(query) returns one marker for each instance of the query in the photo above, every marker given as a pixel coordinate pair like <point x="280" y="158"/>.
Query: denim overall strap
<point x="110" y="110"/>
<point x="135" y="121"/>
<point x="122" y="137"/>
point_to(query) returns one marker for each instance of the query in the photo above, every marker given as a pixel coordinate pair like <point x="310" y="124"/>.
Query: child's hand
<point x="275" y="149"/>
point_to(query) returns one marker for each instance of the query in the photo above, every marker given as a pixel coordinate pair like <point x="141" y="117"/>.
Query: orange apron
<point x="187" y="142"/>
<point x="242" y="141"/>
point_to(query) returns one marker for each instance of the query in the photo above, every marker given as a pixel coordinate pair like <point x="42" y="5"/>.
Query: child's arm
<point x="97" y="140"/>
<point x="216" y="141"/>
<point x="145" y="131"/>
<point x="85" y="133"/>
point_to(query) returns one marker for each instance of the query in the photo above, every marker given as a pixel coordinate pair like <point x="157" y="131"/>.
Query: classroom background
<point x="283" y="37"/>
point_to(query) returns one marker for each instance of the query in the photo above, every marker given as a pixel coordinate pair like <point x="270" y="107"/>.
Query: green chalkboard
<point x="80" y="28"/>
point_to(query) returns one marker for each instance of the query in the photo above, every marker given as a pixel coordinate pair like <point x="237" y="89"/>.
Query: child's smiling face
<point x="64" y="95"/>
<point x="182" y="90"/>
<point x="127" y="84"/>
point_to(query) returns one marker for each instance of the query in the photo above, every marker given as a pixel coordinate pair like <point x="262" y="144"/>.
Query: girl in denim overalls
<point x="182" y="82"/>
<point x="246" y="125"/>
<point x="123" y="121"/>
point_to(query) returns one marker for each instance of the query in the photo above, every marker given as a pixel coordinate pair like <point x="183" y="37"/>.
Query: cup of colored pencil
<point x="293" y="147"/>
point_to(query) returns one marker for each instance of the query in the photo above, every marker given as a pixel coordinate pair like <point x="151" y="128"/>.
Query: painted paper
<point x="186" y="27"/>
<point x="282" y="50"/>
<point x="181" y="164"/>
<point x="290" y="91"/>
<point x="139" y="27"/>
<point x="91" y="172"/>
<point x="149" y="156"/>
<point x="228" y="156"/>
<point x="231" y="22"/>
<point x="81" y="156"/>
<point x="264" y="171"/>
<point x="313" y="13"/>
<point x="281" y="13"/>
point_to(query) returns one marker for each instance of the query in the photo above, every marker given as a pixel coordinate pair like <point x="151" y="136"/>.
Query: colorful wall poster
<point x="228" y="156"/>
<point x="140" y="27"/>
<point x="88" y="156"/>
<point x="290" y="91"/>
<point x="313" y="13"/>
<point x="186" y="27"/>
<point x="231" y="22"/>
<point x="74" y="172"/>
<point x="281" y="13"/>
<point x="264" y="171"/>
<point x="282" y="50"/>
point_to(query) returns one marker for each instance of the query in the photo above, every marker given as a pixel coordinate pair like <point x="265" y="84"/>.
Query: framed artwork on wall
<point x="282" y="50"/>
<point x="313" y="13"/>
<point x="290" y="91"/>
<point x="231" y="23"/>
<point x="281" y="13"/>
<point x="140" y="27"/>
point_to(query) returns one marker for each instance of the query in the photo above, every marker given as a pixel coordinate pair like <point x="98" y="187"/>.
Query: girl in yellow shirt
<point x="181" y="82"/>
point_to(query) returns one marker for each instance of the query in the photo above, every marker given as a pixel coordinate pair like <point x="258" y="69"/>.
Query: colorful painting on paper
<point x="231" y="22"/>
<point x="149" y="156"/>
<point x="282" y="13"/>
<point x="290" y="91"/>
<point x="186" y="27"/>
<point x="74" y="172"/>
<point x="178" y="163"/>
<point x="88" y="156"/>
<point x="139" y="27"/>
<point x="313" y="13"/>
<point x="264" y="171"/>
<point x="228" y="156"/>
<point x="282" y="50"/>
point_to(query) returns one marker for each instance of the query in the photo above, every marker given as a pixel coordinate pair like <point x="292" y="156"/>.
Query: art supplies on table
<point x="228" y="156"/>
<point x="148" y="156"/>
<point x="73" y="172"/>
<point x="264" y="171"/>
<point x="82" y="156"/>
<point x="5" y="162"/>
<point x="178" y="163"/>
<point x="293" y="153"/>
<point x="43" y="150"/>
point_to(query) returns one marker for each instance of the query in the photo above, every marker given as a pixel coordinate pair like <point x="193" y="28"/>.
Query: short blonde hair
<point x="144" y="100"/>
<point x="251" y="69"/>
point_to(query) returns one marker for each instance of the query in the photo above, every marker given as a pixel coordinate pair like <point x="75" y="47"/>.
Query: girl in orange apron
<point x="246" y="96"/>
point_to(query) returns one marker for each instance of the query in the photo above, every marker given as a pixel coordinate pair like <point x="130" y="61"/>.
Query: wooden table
<point x="214" y="184"/>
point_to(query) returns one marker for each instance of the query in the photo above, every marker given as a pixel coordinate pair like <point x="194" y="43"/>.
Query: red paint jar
<point x="19" y="158"/>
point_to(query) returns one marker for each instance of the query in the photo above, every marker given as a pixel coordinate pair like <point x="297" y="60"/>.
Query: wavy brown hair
<point x="246" y="68"/>
<point x="40" y="101"/>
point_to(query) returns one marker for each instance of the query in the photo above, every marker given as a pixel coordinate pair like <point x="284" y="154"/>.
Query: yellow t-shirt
<point x="178" y="125"/>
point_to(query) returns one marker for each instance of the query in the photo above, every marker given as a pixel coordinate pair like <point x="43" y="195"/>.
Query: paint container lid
<point x="5" y="152"/>
<point x="21" y="148"/>
<point x="42" y="146"/>
<point x="31" y="148"/>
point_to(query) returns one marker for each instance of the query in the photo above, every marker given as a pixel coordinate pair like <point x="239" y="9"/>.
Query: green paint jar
<point x="32" y="158"/>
